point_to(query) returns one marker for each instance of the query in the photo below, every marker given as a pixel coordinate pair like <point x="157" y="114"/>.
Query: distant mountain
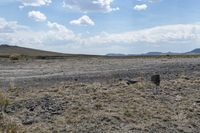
<point x="7" y="50"/>
<point x="145" y="54"/>
<point x="154" y="53"/>
<point x="195" y="51"/>
<point x="160" y="53"/>
<point x="115" y="54"/>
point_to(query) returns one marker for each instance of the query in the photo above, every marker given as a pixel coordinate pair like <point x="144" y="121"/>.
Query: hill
<point x="195" y="51"/>
<point x="7" y="50"/>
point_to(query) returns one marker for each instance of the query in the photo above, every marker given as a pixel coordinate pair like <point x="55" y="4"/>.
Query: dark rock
<point x="186" y="78"/>
<point x="28" y="119"/>
<point x="129" y="82"/>
<point x="41" y="109"/>
<point x="12" y="108"/>
<point x="198" y="102"/>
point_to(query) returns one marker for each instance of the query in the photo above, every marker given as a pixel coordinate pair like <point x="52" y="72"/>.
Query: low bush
<point x="4" y="101"/>
<point x="14" y="57"/>
<point x="8" y="125"/>
<point x="18" y="57"/>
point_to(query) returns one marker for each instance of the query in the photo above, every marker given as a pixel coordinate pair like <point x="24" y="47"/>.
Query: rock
<point x="129" y="82"/>
<point x="28" y="119"/>
<point x="178" y="98"/>
<point x="186" y="78"/>
<point x="41" y="109"/>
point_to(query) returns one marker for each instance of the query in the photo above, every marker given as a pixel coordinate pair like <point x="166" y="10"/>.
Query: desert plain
<point x="86" y="94"/>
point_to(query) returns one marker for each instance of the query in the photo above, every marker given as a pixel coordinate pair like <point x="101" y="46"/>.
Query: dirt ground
<point x="91" y="95"/>
<point x="45" y="73"/>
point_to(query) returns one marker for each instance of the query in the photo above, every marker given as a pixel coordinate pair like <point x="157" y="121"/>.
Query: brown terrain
<point x="96" y="94"/>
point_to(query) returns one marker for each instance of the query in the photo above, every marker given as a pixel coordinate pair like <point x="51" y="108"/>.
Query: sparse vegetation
<point x="4" y="101"/>
<point x="14" y="57"/>
<point x="18" y="57"/>
<point x="9" y="125"/>
<point x="85" y="107"/>
<point x="46" y="97"/>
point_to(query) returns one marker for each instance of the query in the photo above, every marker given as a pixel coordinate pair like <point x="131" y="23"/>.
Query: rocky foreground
<point x="99" y="107"/>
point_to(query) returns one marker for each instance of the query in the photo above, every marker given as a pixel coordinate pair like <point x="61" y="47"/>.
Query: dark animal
<point x="155" y="79"/>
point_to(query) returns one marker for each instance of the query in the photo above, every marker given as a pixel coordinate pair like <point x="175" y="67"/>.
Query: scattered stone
<point x="129" y="82"/>
<point x="186" y="78"/>
<point x="178" y="98"/>
<point x="41" y="109"/>
<point x="197" y="102"/>
<point x="28" y="120"/>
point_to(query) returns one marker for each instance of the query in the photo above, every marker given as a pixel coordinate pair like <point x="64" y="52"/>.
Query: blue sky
<point x="101" y="26"/>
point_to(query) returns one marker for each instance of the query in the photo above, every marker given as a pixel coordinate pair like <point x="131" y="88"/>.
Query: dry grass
<point x="10" y="125"/>
<point x="4" y="101"/>
<point x="7" y="123"/>
<point x="14" y="57"/>
<point x="113" y="107"/>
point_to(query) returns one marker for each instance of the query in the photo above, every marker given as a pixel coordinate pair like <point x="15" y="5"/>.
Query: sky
<point x="101" y="26"/>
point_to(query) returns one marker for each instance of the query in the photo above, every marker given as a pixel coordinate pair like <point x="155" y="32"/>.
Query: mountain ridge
<point x="7" y="50"/>
<point x="192" y="52"/>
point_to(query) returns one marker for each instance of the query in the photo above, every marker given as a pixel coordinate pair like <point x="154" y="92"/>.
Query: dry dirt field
<point x="91" y="95"/>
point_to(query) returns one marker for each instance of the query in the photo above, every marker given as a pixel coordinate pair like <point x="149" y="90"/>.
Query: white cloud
<point x="11" y="26"/>
<point x="59" y="32"/>
<point x="24" y="36"/>
<point x="84" y="20"/>
<point x="90" y="5"/>
<point x="157" y="35"/>
<point x="37" y="16"/>
<point x="35" y="2"/>
<point x="141" y="7"/>
<point x="149" y="1"/>
<point x="58" y="37"/>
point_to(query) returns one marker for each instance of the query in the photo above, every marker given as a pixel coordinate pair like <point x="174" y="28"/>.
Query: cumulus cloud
<point x="149" y="1"/>
<point x="84" y="20"/>
<point x="141" y="7"/>
<point x="11" y="26"/>
<point x="24" y="36"/>
<point x="59" y="32"/>
<point x="37" y="16"/>
<point x="59" y="37"/>
<point x="157" y="35"/>
<point x="90" y="5"/>
<point x="35" y="2"/>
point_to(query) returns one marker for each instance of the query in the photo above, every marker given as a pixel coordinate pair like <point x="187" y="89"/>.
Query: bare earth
<point x="90" y="95"/>
<point x="34" y="73"/>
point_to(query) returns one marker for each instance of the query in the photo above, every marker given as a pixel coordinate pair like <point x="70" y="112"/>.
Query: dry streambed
<point x="110" y="106"/>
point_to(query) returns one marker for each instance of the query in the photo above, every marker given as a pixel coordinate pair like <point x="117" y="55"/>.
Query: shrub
<point x="18" y="57"/>
<point x="4" y="101"/>
<point x="8" y="125"/>
<point x="127" y="113"/>
<point x="14" y="57"/>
